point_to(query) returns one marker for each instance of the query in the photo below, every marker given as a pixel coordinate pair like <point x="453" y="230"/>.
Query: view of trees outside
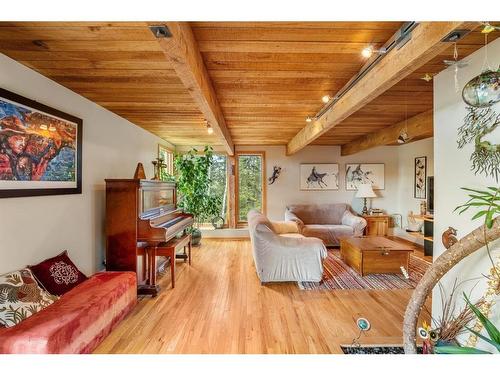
<point x="250" y="184"/>
<point x="218" y="186"/>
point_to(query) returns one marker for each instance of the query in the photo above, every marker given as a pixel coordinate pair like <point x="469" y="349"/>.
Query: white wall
<point x="406" y="180"/>
<point x="286" y="188"/>
<point x="34" y="228"/>
<point x="452" y="171"/>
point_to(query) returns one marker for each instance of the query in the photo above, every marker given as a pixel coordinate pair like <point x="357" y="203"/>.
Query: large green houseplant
<point x="193" y="185"/>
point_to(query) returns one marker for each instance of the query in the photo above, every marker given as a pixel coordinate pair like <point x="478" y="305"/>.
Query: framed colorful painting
<point x="40" y="149"/>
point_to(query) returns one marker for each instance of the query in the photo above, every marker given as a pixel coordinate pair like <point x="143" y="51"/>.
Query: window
<point x="219" y="185"/>
<point x="250" y="177"/>
<point x="168" y="158"/>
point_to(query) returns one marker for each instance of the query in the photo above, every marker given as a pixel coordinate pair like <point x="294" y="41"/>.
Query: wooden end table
<point x="368" y="255"/>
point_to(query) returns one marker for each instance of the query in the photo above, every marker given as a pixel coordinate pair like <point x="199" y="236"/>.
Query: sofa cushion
<point x="330" y="234"/>
<point x="21" y="297"/>
<point x="58" y="275"/>
<point x="292" y="235"/>
<point x="330" y="213"/>
<point x="78" y="321"/>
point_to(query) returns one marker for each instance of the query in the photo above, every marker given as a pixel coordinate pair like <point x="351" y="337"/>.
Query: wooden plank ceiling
<point x="120" y="66"/>
<point x="408" y="98"/>
<point x="268" y="77"/>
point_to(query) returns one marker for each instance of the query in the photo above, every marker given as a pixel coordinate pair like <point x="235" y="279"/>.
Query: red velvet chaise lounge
<point x="78" y="321"/>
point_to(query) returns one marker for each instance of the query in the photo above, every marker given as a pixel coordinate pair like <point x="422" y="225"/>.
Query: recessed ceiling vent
<point x="160" y="31"/>
<point x="455" y="36"/>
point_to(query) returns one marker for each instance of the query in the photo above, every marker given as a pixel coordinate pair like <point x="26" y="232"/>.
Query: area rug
<point x="338" y="275"/>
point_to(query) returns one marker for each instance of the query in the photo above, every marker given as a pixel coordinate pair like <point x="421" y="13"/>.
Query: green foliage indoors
<point x="493" y="336"/>
<point x="193" y="184"/>
<point x="249" y="184"/>
<point x="488" y="201"/>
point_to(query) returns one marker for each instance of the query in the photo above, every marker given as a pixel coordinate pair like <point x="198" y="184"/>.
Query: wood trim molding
<point x="183" y="53"/>
<point x="417" y="127"/>
<point x="425" y="43"/>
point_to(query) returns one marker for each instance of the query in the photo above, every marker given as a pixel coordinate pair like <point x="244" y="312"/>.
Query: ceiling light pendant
<point x="325" y="99"/>
<point x="44" y="127"/>
<point x="403" y="137"/>
<point x="210" y="130"/>
<point x="52" y="128"/>
<point x="309" y="119"/>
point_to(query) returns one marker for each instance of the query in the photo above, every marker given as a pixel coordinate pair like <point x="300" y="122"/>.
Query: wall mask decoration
<point x="40" y="149"/>
<point x="368" y="173"/>
<point x="478" y="123"/>
<point x="275" y="175"/>
<point x="319" y="176"/>
<point x="419" y="189"/>
<point x="484" y="90"/>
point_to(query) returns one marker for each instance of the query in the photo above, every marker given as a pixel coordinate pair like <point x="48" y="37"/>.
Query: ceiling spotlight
<point x="44" y="127"/>
<point x="210" y="130"/>
<point x="309" y="119"/>
<point x="325" y="99"/>
<point x="369" y="51"/>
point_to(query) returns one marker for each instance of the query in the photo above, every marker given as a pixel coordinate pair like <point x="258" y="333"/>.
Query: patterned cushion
<point x="21" y="297"/>
<point x="58" y="275"/>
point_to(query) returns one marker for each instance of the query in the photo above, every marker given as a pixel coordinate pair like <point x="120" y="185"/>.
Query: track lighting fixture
<point x="325" y="99"/>
<point x="309" y="119"/>
<point x="369" y="51"/>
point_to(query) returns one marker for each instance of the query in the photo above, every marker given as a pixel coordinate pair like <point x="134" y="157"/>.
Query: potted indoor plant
<point x="193" y="186"/>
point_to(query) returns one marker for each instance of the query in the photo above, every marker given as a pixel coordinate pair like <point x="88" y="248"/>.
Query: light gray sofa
<point x="330" y="222"/>
<point x="281" y="253"/>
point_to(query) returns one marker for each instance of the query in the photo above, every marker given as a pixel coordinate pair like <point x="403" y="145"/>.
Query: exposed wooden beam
<point x="417" y="127"/>
<point x="183" y="53"/>
<point x="425" y="43"/>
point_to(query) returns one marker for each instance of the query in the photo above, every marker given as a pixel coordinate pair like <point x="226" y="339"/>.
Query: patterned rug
<point x="338" y="275"/>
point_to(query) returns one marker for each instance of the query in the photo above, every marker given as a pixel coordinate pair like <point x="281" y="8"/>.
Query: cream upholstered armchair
<point x="281" y="253"/>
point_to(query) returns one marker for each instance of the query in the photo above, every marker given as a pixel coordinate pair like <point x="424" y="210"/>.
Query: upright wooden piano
<point x="140" y="214"/>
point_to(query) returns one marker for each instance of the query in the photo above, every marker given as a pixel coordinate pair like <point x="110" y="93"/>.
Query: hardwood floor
<point x="219" y="306"/>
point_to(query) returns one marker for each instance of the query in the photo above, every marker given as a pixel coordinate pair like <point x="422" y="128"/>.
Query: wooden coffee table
<point x="369" y="255"/>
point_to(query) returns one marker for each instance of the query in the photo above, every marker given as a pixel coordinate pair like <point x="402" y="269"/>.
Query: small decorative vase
<point x="196" y="237"/>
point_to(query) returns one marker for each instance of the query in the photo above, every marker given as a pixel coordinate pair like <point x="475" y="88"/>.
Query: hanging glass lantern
<point x="483" y="90"/>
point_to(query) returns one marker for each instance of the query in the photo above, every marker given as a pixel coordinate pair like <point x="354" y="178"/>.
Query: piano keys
<point x="140" y="215"/>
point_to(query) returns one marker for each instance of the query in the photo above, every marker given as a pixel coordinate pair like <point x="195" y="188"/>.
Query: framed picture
<point x="420" y="187"/>
<point x="367" y="173"/>
<point x="319" y="176"/>
<point x="40" y="149"/>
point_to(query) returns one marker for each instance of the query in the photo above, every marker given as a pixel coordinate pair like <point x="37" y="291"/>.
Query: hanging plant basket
<point x="483" y="91"/>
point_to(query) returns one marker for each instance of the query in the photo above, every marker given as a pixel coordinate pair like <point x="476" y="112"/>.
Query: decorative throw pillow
<point x="58" y="275"/>
<point x="21" y="297"/>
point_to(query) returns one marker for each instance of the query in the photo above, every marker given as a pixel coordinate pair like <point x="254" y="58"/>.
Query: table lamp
<point x="365" y="191"/>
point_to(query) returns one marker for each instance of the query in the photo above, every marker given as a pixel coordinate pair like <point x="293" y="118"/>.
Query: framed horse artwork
<point x="365" y="173"/>
<point x="317" y="177"/>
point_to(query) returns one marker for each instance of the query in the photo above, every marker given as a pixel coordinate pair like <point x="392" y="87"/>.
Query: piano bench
<point x="166" y="249"/>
